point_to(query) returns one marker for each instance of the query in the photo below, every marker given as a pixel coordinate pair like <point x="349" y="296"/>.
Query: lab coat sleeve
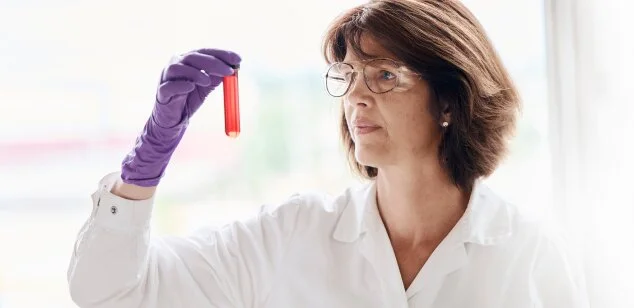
<point x="557" y="279"/>
<point x="117" y="263"/>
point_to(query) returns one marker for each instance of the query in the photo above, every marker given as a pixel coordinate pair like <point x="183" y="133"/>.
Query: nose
<point x="359" y="94"/>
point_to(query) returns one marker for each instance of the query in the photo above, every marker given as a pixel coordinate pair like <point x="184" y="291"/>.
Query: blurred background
<point x="77" y="80"/>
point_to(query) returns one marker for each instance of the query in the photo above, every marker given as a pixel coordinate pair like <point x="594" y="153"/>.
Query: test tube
<point x="232" y="106"/>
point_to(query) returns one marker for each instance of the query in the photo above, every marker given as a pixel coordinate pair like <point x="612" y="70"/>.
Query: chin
<point x="370" y="156"/>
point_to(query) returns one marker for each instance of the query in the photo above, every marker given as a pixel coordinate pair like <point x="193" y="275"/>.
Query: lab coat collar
<point x="487" y="220"/>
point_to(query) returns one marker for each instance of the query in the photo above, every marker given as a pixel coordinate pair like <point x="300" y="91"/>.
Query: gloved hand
<point x="184" y="85"/>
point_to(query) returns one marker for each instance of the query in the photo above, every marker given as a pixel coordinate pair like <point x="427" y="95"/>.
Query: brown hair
<point x="445" y="43"/>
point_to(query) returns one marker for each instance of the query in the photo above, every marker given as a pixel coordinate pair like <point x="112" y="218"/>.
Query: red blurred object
<point x="232" y="106"/>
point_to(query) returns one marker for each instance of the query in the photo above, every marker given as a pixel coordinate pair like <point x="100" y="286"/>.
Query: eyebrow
<point x="366" y="57"/>
<point x="375" y="57"/>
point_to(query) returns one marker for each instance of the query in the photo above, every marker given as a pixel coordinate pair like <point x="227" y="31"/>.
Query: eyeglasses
<point x="380" y="75"/>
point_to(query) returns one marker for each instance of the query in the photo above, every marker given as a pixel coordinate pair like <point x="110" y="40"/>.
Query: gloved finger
<point x="169" y="89"/>
<point x="229" y="57"/>
<point x="180" y="71"/>
<point x="210" y="64"/>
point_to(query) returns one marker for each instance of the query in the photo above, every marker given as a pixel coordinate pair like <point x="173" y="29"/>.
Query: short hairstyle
<point x="444" y="42"/>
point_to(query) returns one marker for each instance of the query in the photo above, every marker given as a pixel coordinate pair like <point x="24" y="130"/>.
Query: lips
<point x="364" y="126"/>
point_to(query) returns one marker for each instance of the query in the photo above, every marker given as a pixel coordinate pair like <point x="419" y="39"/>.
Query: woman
<point x="427" y="111"/>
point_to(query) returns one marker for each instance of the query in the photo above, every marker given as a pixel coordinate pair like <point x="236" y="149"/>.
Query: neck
<point x="418" y="204"/>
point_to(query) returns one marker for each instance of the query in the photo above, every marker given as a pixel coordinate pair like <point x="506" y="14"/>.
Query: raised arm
<point x="116" y="261"/>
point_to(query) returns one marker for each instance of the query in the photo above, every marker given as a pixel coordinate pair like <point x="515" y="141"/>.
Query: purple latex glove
<point x="184" y="85"/>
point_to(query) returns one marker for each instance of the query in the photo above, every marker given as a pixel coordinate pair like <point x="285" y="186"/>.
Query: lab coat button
<point x="113" y="210"/>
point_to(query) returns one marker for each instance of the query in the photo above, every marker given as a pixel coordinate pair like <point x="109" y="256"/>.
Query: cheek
<point x="411" y="124"/>
<point x="409" y="116"/>
<point x="347" y="112"/>
<point x="409" y="129"/>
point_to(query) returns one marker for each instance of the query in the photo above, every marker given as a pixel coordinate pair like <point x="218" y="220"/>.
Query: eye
<point x="387" y="75"/>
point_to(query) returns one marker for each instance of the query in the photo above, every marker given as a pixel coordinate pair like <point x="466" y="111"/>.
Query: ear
<point x="445" y="114"/>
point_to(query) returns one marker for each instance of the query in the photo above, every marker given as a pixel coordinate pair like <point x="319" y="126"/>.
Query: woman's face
<point x="390" y="128"/>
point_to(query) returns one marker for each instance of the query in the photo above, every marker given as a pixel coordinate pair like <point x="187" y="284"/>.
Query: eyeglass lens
<point x="380" y="75"/>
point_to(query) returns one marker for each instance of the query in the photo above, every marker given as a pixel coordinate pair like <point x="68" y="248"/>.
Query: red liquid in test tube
<point x="232" y="106"/>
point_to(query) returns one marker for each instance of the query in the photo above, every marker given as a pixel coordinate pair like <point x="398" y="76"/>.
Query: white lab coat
<point x="316" y="252"/>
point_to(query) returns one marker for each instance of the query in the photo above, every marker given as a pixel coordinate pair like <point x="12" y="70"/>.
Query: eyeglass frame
<point x="402" y="68"/>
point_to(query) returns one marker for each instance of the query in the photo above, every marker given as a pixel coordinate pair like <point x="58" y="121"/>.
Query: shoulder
<point x="494" y="216"/>
<point x="313" y="209"/>
<point x="537" y="231"/>
<point x="315" y="203"/>
<point x="541" y="243"/>
<point x="556" y="272"/>
<point x="507" y="228"/>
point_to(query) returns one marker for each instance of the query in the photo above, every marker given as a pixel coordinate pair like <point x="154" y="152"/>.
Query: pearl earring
<point x="445" y="124"/>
